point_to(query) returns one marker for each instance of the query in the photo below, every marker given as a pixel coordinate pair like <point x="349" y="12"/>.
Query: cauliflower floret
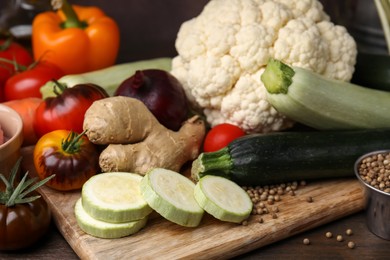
<point x="223" y="52"/>
<point x="245" y="106"/>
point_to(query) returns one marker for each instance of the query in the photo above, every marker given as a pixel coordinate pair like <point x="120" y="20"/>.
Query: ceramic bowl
<point x="12" y="126"/>
<point x="377" y="202"/>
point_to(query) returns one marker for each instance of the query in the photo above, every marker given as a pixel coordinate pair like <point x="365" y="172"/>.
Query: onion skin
<point x="162" y="94"/>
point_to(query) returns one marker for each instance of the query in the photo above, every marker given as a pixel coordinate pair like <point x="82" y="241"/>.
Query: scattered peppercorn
<point x="306" y="241"/>
<point x="348" y="232"/>
<point x="309" y="199"/>
<point x="351" y="244"/>
<point x="375" y="171"/>
<point x="244" y="223"/>
<point x="270" y="195"/>
<point x="328" y="234"/>
<point x="339" y="238"/>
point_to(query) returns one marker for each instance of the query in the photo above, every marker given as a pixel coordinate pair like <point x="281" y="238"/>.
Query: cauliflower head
<point x="223" y="52"/>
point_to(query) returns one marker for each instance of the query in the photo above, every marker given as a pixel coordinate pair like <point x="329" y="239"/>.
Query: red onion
<point x="161" y="92"/>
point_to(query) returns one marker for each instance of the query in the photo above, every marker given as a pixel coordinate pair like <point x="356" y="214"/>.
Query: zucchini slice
<point x="172" y="195"/>
<point x="103" y="229"/>
<point x="223" y="199"/>
<point x="114" y="197"/>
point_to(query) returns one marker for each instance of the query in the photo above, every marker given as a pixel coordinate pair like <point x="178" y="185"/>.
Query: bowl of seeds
<point x="373" y="171"/>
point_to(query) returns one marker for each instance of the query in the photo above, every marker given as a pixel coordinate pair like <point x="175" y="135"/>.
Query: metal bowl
<point x="377" y="203"/>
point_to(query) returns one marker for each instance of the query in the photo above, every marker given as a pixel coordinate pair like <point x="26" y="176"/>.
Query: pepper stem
<point x="72" y="20"/>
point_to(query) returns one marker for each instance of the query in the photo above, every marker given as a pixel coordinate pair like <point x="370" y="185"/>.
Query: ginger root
<point x="136" y="141"/>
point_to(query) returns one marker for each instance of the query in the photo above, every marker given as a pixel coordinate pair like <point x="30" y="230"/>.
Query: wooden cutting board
<point x="213" y="239"/>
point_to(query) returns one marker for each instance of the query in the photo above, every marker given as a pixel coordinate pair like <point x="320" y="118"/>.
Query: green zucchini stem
<point x="277" y="77"/>
<point x="212" y="163"/>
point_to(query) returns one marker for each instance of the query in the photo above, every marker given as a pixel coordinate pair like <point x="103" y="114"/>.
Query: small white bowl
<point x="12" y="126"/>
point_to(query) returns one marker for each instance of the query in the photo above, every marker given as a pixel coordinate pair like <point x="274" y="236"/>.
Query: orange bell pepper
<point x="76" y="38"/>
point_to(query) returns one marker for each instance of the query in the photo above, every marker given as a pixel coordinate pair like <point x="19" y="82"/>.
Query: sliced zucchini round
<point x="223" y="199"/>
<point x="115" y="197"/>
<point x="103" y="229"/>
<point x="172" y="195"/>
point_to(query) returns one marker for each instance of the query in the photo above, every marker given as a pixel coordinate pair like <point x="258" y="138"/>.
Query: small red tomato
<point x="67" y="109"/>
<point x="71" y="157"/>
<point x="10" y="52"/>
<point x="26" y="109"/>
<point x="220" y="136"/>
<point x="29" y="82"/>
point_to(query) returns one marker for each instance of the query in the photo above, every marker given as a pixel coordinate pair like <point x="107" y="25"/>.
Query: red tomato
<point x="14" y="52"/>
<point x="28" y="83"/>
<point x="220" y="136"/>
<point x="66" y="111"/>
<point x="26" y="109"/>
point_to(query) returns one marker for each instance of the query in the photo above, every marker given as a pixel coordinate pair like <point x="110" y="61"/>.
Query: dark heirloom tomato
<point x="71" y="157"/>
<point x="23" y="224"/>
<point x="67" y="109"/>
<point x="24" y="214"/>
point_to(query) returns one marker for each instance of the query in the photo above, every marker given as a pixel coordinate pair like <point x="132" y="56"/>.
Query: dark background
<point x="149" y="27"/>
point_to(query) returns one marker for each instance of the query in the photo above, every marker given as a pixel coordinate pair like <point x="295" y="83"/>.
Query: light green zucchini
<point x="324" y="103"/>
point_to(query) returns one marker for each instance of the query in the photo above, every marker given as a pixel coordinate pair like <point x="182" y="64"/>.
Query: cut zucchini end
<point x="223" y="199"/>
<point x="115" y="197"/>
<point x="103" y="229"/>
<point x="277" y="77"/>
<point x="172" y="196"/>
<point x="196" y="169"/>
<point x="218" y="163"/>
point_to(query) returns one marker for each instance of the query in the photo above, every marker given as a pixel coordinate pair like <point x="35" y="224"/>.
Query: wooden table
<point x="368" y="246"/>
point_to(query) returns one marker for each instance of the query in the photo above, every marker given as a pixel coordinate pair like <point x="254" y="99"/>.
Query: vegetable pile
<point x="123" y="134"/>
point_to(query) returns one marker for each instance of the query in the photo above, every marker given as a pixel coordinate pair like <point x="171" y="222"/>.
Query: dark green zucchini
<point x="372" y="71"/>
<point x="262" y="159"/>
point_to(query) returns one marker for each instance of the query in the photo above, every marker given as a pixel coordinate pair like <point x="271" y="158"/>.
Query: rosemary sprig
<point x="18" y="195"/>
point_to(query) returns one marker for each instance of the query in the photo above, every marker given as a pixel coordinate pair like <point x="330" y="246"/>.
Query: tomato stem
<point x="72" y="142"/>
<point x="17" y="67"/>
<point x="58" y="87"/>
<point x="6" y="44"/>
